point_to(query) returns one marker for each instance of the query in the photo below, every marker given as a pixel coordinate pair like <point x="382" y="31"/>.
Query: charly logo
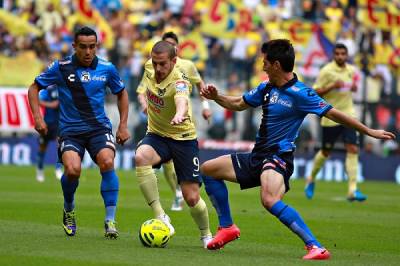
<point x="85" y="76"/>
<point x="71" y="77"/>
<point x="161" y="92"/>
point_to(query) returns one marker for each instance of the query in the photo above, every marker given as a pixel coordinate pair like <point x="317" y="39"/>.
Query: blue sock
<point x="109" y="192"/>
<point x="218" y="194"/>
<point x="40" y="159"/>
<point x="289" y="216"/>
<point x="69" y="189"/>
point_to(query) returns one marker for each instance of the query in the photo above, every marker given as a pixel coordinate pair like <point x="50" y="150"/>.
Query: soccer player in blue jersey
<point x="49" y="100"/>
<point x="83" y="125"/>
<point x="285" y="102"/>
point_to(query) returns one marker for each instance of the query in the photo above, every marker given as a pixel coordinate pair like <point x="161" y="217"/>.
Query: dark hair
<point x="171" y="35"/>
<point x="280" y="50"/>
<point x="340" y="46"/>
<point x="85" y="31"/>
<point x="164" y="47"/>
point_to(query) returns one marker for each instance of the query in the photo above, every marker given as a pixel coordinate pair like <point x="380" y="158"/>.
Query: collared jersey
<point x="50" y="95"/>
<point x="187" y="67"/>
<point x="161" y="106"/>
<point x="284" y="109"/>
<point x="81" y="93"/>
<point x="341" y="99"/>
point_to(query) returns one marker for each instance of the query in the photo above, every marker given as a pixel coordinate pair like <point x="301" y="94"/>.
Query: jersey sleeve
<point x="192" y="74"/>
<point x="114" y="81"/>
<point x="48" y="77"/>
<point x="308" y="101"/>
<point x="182" y="88"/>
<point x="44" y="95"/>
<point x="255" y="97"/>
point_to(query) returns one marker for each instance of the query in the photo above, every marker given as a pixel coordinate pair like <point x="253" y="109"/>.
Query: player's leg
<point x="351" y="143"/>
<point x="214" y="172"/>
<point x="185" y="155"/>
<point x="170" y="176"/>
<point x="329" y="137"/>
<point x="152" y="150"/>
<point x="272" y="192"/>
<point x="40" y="159"/>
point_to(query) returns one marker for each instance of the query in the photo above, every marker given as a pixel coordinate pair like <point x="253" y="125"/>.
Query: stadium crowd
<point x="128" y="29"/>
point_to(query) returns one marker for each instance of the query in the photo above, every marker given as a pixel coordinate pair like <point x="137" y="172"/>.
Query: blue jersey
<point x="81" y="93"/>
<point x="50" y="95"/>
<point x="284" y="109"/>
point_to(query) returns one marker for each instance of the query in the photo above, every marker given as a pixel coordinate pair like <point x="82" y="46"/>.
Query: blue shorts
<point x="249" y="166"/>
<point x="184" y="154"/>
<point x="52" y="131"/>
<point x="331" y="134"/>
<point x="93" y="142"/>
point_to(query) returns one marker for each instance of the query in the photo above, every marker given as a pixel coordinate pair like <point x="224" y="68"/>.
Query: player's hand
<point x="206" y="113"/>
<point x="122" y="135"/>
<point x="381" y="134"/>
<point x="40" y="126"/>
<point x="353" y="87"/>
<point x="178" y="119"/>
<point x="210" y="92"/>
<point x="338" y="84"/>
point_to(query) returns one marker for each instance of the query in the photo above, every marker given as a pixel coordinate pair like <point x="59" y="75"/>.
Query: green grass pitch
<point x="31" y="234"/>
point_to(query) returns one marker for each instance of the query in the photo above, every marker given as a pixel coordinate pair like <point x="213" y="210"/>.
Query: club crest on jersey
<point x="161" y="92"/>
<point x="85" y="76"/>
<point x="181" y="86"/>
<point x="274" y="98"/>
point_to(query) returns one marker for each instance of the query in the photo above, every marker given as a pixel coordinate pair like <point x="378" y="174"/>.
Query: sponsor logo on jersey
<point x="181" y="86"/>
<point x="286" y="103"/>
<point x="65" y="62"/>
<point x="71" y="77"/>
<point x="155" y="99"/>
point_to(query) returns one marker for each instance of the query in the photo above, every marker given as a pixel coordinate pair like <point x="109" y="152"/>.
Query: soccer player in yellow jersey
<point x="171" y="135"/>
<point x="335" y="83"/>
<point x="188" y="68"/>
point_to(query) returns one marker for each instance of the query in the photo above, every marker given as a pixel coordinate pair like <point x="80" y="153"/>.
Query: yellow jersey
<point x="340" y="99"/>
<point x="161" y="106"/>
<point x="187" y="67"/>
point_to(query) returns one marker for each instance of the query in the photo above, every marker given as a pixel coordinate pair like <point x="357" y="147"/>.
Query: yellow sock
<point x="352" y="170"/>
<point x="319" y="161"/>
<point x="170" y="175"/>
<point x="148" y="185"/>
<point x="199" y="213"/>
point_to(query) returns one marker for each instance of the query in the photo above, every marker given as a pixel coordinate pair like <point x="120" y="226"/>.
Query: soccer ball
<point x="154" y="233"/>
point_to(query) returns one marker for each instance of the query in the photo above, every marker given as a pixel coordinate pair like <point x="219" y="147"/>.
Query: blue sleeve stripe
<point x="247" y="102"/>
<point x="325" y="111"/>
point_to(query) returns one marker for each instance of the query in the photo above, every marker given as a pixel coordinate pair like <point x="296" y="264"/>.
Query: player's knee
<point x="106" y="164"/>
<point x="192" y="199"/>
<point x="72" y="171"/>
<point x="141" y="159"/>
<point x="268" y="201"/>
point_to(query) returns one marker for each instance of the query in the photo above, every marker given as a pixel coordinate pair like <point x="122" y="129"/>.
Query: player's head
<point x="163" y="57"/>
<point x="85" y="45"/>
<point x="170" y="37"/>
<point x="278" y="57"/>
<point x="340" y="54"/>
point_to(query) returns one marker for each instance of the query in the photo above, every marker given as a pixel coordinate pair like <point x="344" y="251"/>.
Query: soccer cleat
<point x="205" y="240"/>
<point x="309" y="190"/>
<point x="223" y="236"/>
<point x="39" y="175"/>
<point x="357" y="196"/>
<point x="177" y="205"/>
<point x="316" y="253"/>
<point x="58" y="172"/>
<point x="165" y="218"/>
<point x="69" y="223"/>
<point x="111" y="231"/>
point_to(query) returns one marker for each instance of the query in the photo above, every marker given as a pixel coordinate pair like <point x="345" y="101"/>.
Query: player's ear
<point x="174" y="60"/>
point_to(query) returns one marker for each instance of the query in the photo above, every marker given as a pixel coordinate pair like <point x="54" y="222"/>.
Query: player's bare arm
<point x="181" y="110"/>
<point x="123" y="107"/>
<point x="33" y="96"/>
<point x="235" y="103"/>
<point x="324" y="90"/>
<point x="206" y="112"/>
<point x="143" y="102"/>
<point x="346" y="120"/>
